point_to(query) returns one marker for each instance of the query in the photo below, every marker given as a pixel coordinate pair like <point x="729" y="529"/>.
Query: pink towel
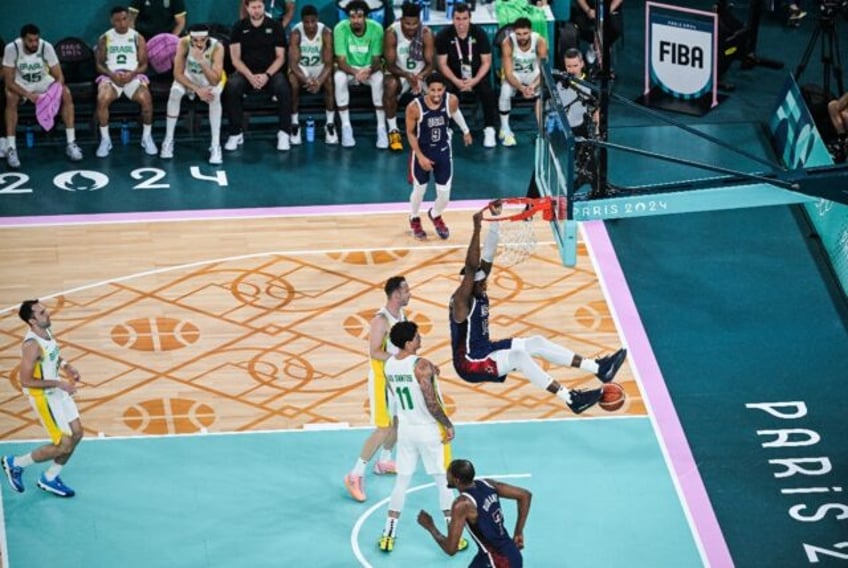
<point x="161" y="50"/>
<point x="47" y="106"/>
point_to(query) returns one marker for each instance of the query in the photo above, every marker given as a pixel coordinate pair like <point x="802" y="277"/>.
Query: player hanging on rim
<point x="428" y="119"/>
<point x="477" y="358"/>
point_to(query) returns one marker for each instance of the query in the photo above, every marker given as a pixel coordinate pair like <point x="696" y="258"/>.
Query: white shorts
<point x="420" y="441"/>
<point x="180" y="88"/>
<point x="127" y="90"/>
<point x="56" y="410"/>
<point x="312" y="72"/>
<point x="39" y="88"/>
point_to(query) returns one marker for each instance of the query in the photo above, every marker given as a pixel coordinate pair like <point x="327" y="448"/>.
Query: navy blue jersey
<point x="496" y="547"/>
<point x="471" y="344"/>
<point x="433" y="134"/>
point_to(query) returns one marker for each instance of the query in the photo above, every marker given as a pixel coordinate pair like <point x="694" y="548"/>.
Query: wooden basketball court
<point x="255" y="323"/>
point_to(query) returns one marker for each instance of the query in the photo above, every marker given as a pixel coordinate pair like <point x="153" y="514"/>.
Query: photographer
<point x="838" y="111"/>
<point x="582" y="113"/>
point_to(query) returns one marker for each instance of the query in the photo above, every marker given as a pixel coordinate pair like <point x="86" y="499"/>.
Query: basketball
<point x="612" y="397"/>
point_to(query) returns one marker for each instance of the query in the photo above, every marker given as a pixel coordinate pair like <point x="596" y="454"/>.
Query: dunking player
<point x="198" y="72"/>
<point x="477" y="358"/>
<point x="479" y="507"/>
<point x="379" y="350"/>
<point x="428" y="130"/>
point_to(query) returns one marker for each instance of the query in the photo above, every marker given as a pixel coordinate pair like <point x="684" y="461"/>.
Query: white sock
<point x="392" y="123"/>
<point x="505" y="122"/>
<point x="416" y="198"/>
<point x="104" y="132"/>
<point x="331" y="116"/>
<point x="345" y="116"/>
<point x="589" y="365"/>
<point x="390" y="528"/>
<point x="146" y="130"/>
<point x="564" y="395"/>
<point x="70" y="135"/>
<point x="10" y="140"/>
<point x="23" y="461"/>
<point x="385" y="455"/>
<point x="381" y="118"/>
<point x="359" y="469"/>
<point x="170" y="126"/>
<point x="53" y="471"/>
<point x="215" y="111"/>
<point x="294" y="118"/>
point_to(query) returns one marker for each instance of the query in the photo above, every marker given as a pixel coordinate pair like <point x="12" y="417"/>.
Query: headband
<point x="202" y="34"/>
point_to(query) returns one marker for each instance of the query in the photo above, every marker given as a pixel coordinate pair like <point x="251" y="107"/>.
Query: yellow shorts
<point x="56" y="410"/>
<point x="381" y="402"/>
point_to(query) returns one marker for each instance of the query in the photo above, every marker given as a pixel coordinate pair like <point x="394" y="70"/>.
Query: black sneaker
<point x="583" y="399"/>
<point x="608" y="366"/>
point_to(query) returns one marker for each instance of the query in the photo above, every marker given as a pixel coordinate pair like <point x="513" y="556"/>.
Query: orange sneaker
<point x="355" y="486"/>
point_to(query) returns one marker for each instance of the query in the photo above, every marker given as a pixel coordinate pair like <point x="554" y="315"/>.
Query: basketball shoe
<point x="395" y="141"/>
<point x="417" y="230"/>
<point x="295" y="135"/>
<point x="348" y="140"/>
<point x="149" y="146"/>
<point x="12" y="158"/>
<point x="215" y="157"/>
<point x="73" y="152"/>
<point x="382" y="139"/>
<point x="441" y="229"/>
<point x="386" y="543"/>
<point x="384" y="467"/>
<point x="608" y="366"/>
<point x="167" y="150"/>
<point x="55" y="486"/>
<point x="355" y="485"/>
<point x="583" y="399"/>
<point x="330" y="135"/>
<point x="13" y="473"/>
<point x="104" y="148"/>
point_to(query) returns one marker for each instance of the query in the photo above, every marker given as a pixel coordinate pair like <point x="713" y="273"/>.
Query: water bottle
<point x="449" y="9"/>
<point x="125" y="132"/>
<point x="30" y="136"/>
<point x="310" y="129"/>
<point x="425" y="11"/>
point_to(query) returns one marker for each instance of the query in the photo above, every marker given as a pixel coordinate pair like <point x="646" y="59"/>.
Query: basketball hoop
<point x="517" y="236"/>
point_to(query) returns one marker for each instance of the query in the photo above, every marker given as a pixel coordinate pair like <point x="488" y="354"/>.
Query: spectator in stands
<point x="522" y="51"/>
<point x="198" y="72"/>
<point x="153" y="17"/>
<point x="464" y="55"/>
<point x="358" y="46"/>
<point x="30" y="69"/>
<point x="838" y="111"/>
<point x="280" y="10"/>
<point x="258" y="52"/>
<point x="409" y="50"/>
<point x="311" y="68"/>
<point x="121" y="62"/>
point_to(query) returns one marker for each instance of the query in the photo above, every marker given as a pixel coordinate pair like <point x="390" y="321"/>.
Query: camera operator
<point x="582" y="112"/>
<point x="838" y="111"/>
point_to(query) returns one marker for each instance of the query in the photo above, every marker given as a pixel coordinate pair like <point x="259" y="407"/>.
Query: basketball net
<point x="517" y="235"/>
<point x="517" y="242"/>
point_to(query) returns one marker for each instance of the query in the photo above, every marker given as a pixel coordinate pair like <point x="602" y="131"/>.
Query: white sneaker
<point x="283" y="141"/>
<point x="73" y="152"/>
<point x="12" y="158"/>
<point x="508" y="139"/>
<point x="382" y="139"/>
<point x="167" y="149"/>
<point x="215" y="156"/>
<point x="489" y="137"/>
<point x="347" y="137"/>
<point x="233" y="142"/>
<point x="149" y="146"/>
<point x="294" y="137"/>
<point x="330" y="135"/>
<point x="104" y="148"/>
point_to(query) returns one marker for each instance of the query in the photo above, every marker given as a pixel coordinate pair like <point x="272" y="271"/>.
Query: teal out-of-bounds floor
<point x="602" y="496"/>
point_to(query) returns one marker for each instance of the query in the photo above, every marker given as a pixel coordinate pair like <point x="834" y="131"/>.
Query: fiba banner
<point x="681" y="55"/>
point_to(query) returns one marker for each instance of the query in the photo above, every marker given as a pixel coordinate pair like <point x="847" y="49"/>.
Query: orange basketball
<point x="612" y="397"/>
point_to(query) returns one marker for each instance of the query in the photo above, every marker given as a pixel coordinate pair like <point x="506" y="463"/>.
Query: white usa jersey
<point x="403" y="43"/>
<point x="121" y="50"/>
<point x="311" y="50"/>
<point x="411" y="407"/>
